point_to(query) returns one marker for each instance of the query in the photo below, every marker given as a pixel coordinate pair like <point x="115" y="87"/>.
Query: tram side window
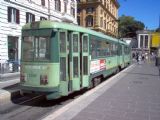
<point x="120" y="50"/>
<point x="62" y="42"/>
<point x="75" y="67"/>
<point x="28" y="48"/>
<point x="126" y="50"/>
<point x="35" y="48"/>
<point x="85" y="65"/>
<point x="93" y="48"/>
<point x="63" y="68"/>
<point x="41" y="48"/>
<point x="85" y="44"/>
<point x="75" y="42"/>
<point x="100" y="48"/>
<point x="113" y="49"/>
<point x="108" y="49"/>
<point x="103" y="49"/>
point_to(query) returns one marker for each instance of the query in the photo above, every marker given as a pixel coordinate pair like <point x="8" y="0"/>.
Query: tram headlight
<point x="43" y="79"/>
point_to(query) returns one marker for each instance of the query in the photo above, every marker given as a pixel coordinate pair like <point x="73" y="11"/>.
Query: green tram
<point x="59" y="58"/>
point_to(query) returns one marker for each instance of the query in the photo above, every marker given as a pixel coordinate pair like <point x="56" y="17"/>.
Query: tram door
<point x="84" y="60"/>
<point x="62" y="37"/>
<point x="123" y="61"/>
<point x="75" y="61"/>
<point x="79" y="63"/>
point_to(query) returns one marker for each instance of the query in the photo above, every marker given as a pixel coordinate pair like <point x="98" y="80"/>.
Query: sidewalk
<point x="9" y="76"/>
<point x="133" y="94"/>
<point x="9" y="79"/>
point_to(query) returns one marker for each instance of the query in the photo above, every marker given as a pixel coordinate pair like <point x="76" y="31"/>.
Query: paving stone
<point x="135" y="96"/>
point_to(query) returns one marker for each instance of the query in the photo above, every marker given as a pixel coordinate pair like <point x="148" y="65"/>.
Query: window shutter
<point x="9" y="14"/>
<point x="43" y="2"/>
<point x="17" y="17"/>
<point x="33" y="18"/>
<point x="59" y="5"/>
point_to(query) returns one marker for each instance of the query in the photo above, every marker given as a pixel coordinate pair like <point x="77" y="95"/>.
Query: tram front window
<point x="35" y="48"/>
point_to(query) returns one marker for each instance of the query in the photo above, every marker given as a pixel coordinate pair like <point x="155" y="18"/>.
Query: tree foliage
<point x="128" y="26"/>
<point x="158" y="29"/>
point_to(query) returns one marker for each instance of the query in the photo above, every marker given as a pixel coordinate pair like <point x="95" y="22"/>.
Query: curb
<point x="5" y="97"/>
<point x="8" y="83"/>
<point x="8" y="75"/>
<point x="8" y="91"/>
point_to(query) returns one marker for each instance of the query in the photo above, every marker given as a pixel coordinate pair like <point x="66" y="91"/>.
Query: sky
<point x="146" y="11"/>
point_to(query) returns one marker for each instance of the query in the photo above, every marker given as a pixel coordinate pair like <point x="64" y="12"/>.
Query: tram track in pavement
<point x="19" y="101"/>
<point x="37" y="106"/>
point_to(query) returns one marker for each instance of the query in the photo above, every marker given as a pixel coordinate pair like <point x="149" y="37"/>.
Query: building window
<point x="90" y="10"/>
<point x="89" y="21"/>
<point x="73" y="8"/>
<point x="78" y="20"/>
<point x="13" y="15"/>
<point x="30" y="17"/>
<point x="105" y="24"/>
<point x="43" y="2"/>
<point x="58" y="5"/>
<point x="141" y="41"/>
<point x="12" y="48"/>
<point x="101" y="11"/>
<point x="101" y="21"/>
<point x="146" y="41"/>
<point x="78" y="1"/>
<point x="43" y="18"/>
<point x="89" y="0"/>
<point x="78" y="11"/>
<point x="73" y="11"/>
<point x="65" y="5"/>
<point x="105" y="3"/>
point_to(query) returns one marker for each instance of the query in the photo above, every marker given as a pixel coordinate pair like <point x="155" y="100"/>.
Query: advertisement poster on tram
<point x="97" y="65"/>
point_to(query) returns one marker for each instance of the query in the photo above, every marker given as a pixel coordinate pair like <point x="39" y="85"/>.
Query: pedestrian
<point x="159" y="69"/>
<point x="143" y="58"/>
<point x="137" y="56"/>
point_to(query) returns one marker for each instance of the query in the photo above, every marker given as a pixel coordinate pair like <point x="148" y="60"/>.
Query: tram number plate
<point x="31" y="75"/>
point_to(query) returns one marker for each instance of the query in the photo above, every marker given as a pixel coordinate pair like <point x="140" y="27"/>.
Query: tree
<point x="128" y="26"/>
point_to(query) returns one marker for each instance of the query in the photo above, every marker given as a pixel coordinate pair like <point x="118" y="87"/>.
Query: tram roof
<point x="67" y="26"/>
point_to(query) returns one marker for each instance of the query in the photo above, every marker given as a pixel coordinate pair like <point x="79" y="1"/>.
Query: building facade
<point x="155" y="40"/>
<point x="144" y="41"/>
<point x="99" y="15"/>
<point x="15" y="13"/>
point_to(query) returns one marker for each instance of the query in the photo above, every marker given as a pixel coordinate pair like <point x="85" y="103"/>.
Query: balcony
<point x="87" y="1"/>
<point x="67" y="18"/>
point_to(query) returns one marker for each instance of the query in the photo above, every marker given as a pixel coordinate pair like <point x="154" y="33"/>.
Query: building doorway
<point x="12" y="48"/>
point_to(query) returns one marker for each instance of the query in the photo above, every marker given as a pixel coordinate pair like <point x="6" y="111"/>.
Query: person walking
<point x="137" y="57"/>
